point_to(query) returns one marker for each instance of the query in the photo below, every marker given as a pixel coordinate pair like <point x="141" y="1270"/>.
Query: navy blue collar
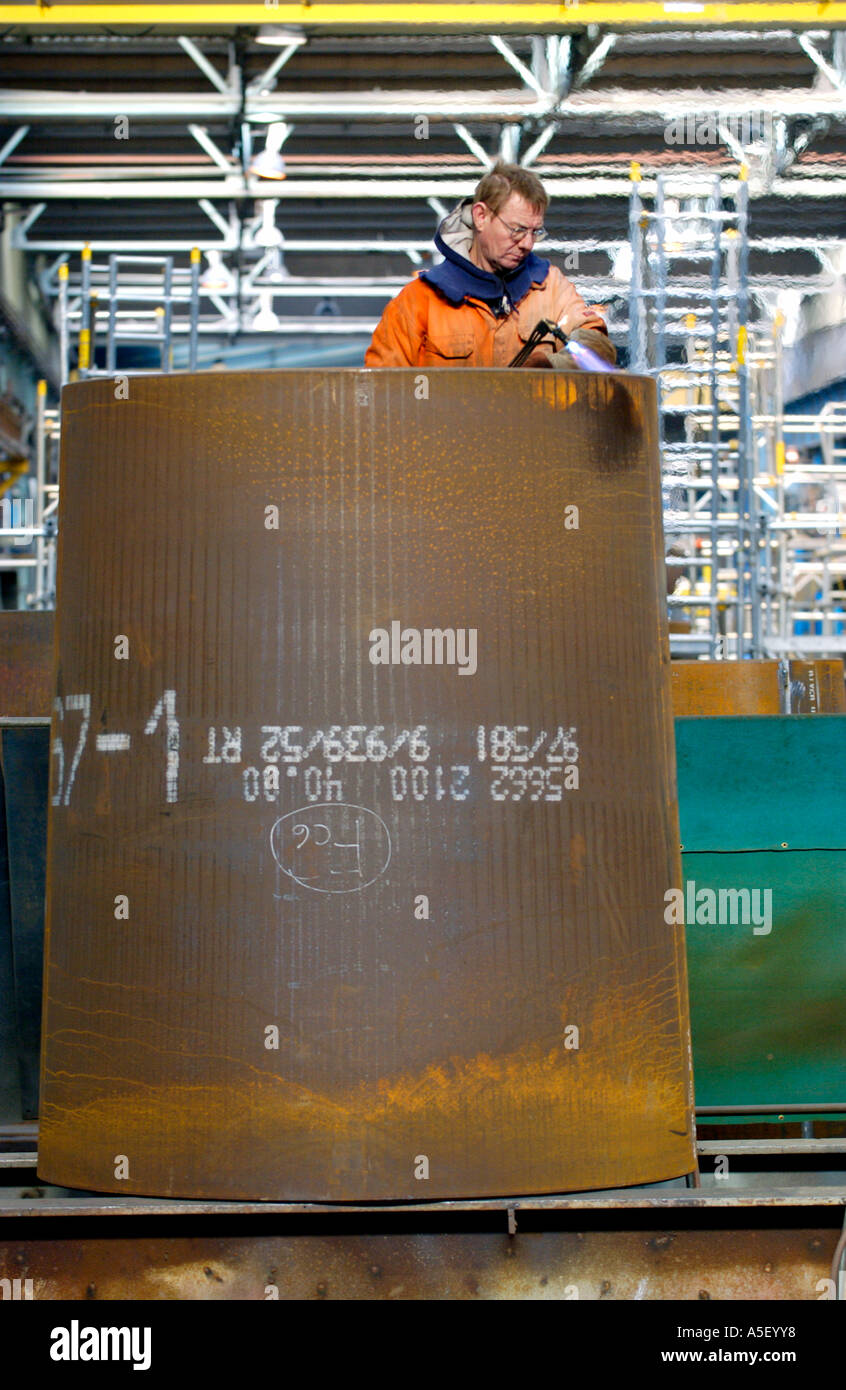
<point x="458" y="279"/>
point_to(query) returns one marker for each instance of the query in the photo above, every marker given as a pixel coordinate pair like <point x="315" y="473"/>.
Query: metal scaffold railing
<point x="101" y="308"/>
<point x="688" y="326"/>
<point x="754" y="530"/>
<point x="807" y="546"/>
<point x="43" y="594"/>
<point x="107" y="308"/>
<point x="28" y="522"/>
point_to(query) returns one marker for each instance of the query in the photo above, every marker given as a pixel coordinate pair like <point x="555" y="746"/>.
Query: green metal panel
<point x="768" y="1006"/>
<point x="768" y="1016"/>
<point x="759" y="782"/>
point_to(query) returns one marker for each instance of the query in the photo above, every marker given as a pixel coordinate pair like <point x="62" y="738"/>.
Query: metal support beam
<point x="206" y="143"/>
<point x="46" y="105"/>
<point x="211" y="72"/>
<point x="147" y="291"/>
<point x="539" y="145"/>
<point x="509" y="143"/>
<point x="822" y="63"/>
<point x="580" y="185"/>
<point x="13" y="141"/>
<point x="226" y="231"/>
<point x="563" y="65"/>
<point x="595" y="61"/>
<point x="820" y="126"/>
<point x="638" y="309"/>
<point x="517" y="64"/>
<point x="731" y="142"/>
<point x="438" y="208"/>
<point x="540" y="62"/>
<point x="20" y="230"/>
<point x="230" y="318"/>
<point x="332" y="246"/>
<point x="473" y="145"/>
<point x="267" y="81"/>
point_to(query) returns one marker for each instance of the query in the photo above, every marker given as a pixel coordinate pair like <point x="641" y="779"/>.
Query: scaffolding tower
<point x="28" y="522"/>
<point x="688" y="326"/>
<point x="755" y="548"/>
<point x="138" y="309"/>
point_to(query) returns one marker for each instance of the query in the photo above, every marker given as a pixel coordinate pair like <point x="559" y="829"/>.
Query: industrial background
<point x="217" y="187"/>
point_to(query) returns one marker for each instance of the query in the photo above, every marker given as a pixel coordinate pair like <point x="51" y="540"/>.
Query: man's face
<point x="495" y="244"/>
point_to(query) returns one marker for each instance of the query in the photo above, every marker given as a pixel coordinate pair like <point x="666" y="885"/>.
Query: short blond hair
<point x="497" y="185"/>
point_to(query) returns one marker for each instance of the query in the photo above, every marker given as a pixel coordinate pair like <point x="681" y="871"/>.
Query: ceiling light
<point x="216" y="277"/>
<point x="270" y="164"/>
<point x="265" y="320"/>
<point x="267" y="233"/>
<point x="275" y="36"/>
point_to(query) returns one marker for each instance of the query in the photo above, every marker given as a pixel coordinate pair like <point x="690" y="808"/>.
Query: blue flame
<point x="587" y="359"/>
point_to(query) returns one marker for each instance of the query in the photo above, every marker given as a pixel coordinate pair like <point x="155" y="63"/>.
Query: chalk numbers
<point x="525" y="764"/>
<point x="71" y="725"/>
<point x="500" y="743"/>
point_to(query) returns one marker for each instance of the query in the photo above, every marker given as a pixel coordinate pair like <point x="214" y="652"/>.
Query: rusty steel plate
<point x="774" y="1264"/>
<point x="26" y="664"/>
<point x="331" y="918"/>
<point x="818" y="687"/>
<point x="703" y="689"/>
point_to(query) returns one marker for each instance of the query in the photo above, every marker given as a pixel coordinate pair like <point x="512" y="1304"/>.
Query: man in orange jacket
<point x="479" y="305"/>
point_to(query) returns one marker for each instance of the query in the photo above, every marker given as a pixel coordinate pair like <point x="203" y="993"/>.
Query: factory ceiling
<point x="145" y="137"/>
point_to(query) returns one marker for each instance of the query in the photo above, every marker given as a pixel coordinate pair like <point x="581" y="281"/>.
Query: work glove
<point x="592" y="338"/>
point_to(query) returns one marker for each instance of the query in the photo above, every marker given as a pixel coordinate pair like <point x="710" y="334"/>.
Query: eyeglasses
<point x="518" y="233"/>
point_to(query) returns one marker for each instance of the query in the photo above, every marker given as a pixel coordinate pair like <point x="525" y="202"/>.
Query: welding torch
<point x="588" y="360"/>
<point x="544" y="328"/>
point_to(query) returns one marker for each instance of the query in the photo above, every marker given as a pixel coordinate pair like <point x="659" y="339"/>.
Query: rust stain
<point x="764" y="1265"/>
<point x="705" y="689"/>
<point x="449" y="1111"/>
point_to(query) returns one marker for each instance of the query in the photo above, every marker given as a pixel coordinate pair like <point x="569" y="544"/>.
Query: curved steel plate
<point x="364" y="802"/>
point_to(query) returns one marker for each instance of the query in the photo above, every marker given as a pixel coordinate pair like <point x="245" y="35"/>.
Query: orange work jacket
<point x="420" y="328"/>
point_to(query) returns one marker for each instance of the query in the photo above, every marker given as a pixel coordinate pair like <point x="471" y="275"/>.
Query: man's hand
<point x="592" y="338"/>
<point x="563" y="362"/>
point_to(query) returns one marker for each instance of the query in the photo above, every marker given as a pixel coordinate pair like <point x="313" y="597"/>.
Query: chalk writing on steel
<point x="166" y="708"/>
<point x="331" y="848"/>
<point x="61" y="796"/>
<point x="522" y="763"/>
